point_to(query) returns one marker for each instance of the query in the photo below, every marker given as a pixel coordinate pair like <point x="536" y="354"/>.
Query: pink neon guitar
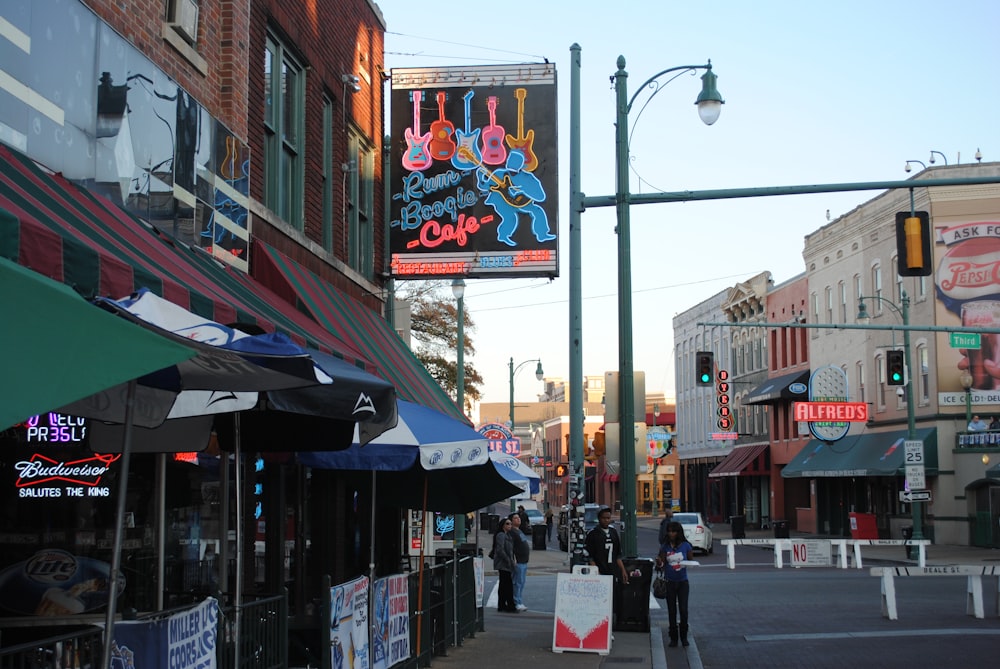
<point x="415" y="155"/>
<point x="523" y="142"/>
<point x="468" y="140"/>
<point x="494" y="152"/>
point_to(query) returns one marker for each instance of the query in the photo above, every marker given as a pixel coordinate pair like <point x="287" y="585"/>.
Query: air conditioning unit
<point x="182" y="15"/>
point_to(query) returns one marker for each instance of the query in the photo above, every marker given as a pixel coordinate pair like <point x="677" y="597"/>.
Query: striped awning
<point x="353" y="322"/>
<point x="743" y="461"/>
<point x="74" y="236"/>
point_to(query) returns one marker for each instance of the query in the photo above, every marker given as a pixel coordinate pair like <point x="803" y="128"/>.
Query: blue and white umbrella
<point x="516" y="472"/>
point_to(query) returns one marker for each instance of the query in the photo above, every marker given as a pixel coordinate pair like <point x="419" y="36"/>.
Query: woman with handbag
<point x="673" y="553"/>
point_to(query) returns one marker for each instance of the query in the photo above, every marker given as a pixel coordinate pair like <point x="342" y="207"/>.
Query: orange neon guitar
<point x="523" y="142"/>
<point x="442" y="145"/>
<point x="494" y="152"/>
<point x="415" y="156"/>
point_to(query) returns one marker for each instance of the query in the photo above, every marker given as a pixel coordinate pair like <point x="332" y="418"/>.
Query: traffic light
<point x="913" y="243"/>
<point x="895" y="370"/>
<point x="600" y="446"/>
<point x="704" y="373"/>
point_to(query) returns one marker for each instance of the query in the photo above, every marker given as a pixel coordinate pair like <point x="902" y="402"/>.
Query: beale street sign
<point x="849" y="412"/>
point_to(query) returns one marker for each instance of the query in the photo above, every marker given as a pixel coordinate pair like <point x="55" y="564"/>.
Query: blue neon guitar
<point x="468" y="139"/>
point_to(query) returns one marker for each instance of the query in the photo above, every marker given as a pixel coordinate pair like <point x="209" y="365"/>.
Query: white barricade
<point x="781" y="545"/>
<point x="974" y="585"/>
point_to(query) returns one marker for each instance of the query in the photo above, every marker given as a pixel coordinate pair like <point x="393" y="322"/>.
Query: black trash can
<point x="538" y="532"/>
<point x="494" y="523"/>
<point x="907" y="535"/>
<point x="484" y="521"/>
<point x="633" y="609"/>
<point x="780" y="529"/>
<point x="738" y="527"/>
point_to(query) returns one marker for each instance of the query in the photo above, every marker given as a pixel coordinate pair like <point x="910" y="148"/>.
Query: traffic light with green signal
<point x="895" y="368"/>
<point x="704" y="373"/>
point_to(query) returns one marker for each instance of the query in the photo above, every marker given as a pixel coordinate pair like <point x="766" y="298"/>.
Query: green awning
<point x="865" y="454"/>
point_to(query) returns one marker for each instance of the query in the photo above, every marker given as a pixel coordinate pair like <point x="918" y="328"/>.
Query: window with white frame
<point x="877" y="286"/>
<point x="842" y="289"/>
<point x="923" y="365"/>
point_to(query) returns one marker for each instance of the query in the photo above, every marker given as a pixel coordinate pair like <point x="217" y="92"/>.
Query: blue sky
<point x="815" y="93"/>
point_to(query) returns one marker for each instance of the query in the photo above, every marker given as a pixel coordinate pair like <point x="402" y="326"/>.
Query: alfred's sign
<point x="814" y="412"/>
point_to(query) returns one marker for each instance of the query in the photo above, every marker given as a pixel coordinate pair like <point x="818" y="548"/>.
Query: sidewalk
<point x="525" y="640"/>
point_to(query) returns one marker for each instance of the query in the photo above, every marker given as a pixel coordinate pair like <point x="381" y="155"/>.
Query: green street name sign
<point x="965" y="340"/>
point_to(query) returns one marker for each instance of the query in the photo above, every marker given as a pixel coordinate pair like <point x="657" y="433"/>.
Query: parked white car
<point x="697" y="530"/>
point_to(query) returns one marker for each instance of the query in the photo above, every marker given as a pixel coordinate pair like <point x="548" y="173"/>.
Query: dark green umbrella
<point x="56" y="348"/>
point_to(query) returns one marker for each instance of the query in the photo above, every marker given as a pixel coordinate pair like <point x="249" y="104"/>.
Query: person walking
<point x="503" y="562"/>
<point x="522" y="551"/>
<point x="523" y="515"/>
<point x="673" y="552"/>
<point x="604" y="548"/>
<point x="548" y="524"/>
<point x="668" y="515"/>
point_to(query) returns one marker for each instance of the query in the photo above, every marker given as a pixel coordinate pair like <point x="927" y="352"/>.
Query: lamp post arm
<point x="652" y="79"/>
<point x="895" y="307"/>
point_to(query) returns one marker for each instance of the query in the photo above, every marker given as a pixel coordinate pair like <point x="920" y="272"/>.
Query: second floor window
<point x="284" y="129"/>
<point x="360" y="204"/>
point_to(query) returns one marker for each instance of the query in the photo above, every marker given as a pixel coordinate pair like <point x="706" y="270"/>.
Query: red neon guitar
<point x="494" y="152"/>
<point x="415" y="155"/>
<point x="442" y="145"/>
<point x="523" y="142"/>
<point x="469" y="139"/>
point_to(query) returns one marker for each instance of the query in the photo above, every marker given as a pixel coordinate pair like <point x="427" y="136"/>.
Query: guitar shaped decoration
<point x="415" y="155"/>
<point x="442" y="145"/>
<point x="501" y="186"/>
<point x="469" y="139"/>
<point x="494" y="152"/>
<point x="523" y="142"/>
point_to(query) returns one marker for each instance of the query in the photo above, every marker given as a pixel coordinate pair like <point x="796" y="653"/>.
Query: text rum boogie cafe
<point x="57" y="510"/>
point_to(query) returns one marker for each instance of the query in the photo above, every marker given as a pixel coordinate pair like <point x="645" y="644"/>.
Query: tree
<point x="434" y="329"/>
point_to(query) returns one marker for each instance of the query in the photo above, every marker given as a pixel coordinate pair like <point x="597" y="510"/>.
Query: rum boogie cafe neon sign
<point x="65" y="468"/>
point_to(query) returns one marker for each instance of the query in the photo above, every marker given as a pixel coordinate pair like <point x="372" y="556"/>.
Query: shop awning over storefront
<point x="351" y="321"/>
<point x="866" y="454"/>
<point x="745" y="460"/>
<point x="780" y="388"/>
<point x="69" y="234"/>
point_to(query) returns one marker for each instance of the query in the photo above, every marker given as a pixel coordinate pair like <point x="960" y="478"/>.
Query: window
<point x="877" y="286"/>
<point x="859" y="288"/>
<point x="842" y="287"/>
<point x="814" y="300"/>
<point x="880" y="372"/>
<point x="327" y="174"/>
<point x="360" y="203"/>
<point x="898" y="291"/>
<point x="861" y="381"/>
<point x="829" y="304"/>
<point x="923" y="367"/>
<point x="284" y="123"/>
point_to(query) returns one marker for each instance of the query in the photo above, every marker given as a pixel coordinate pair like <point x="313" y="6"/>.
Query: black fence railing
<point x="985" y="439"/>
<point x="81" y="648"/>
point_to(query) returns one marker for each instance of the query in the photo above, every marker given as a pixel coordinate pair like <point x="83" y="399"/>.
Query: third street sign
<point x="814" y="412"/>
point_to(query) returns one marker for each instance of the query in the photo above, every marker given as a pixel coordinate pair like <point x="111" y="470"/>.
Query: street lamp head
<point x="862" y="317"/>
<point x="709" y="100"/>
<point x="539" y="374"/>
<point x="965" y="378"/>
<point x="458" y="288"/>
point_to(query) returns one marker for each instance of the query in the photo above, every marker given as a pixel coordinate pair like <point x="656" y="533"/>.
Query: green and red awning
<point x="351" y="321"/>
<point x="69" y="234"/>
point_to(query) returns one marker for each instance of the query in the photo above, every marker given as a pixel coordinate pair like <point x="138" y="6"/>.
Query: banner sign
<point x="349" y="625"/>
<point x="501" y="439"/>
<point x="474" y="172"/>
<point x="184" y="639"/>
<point x="392" y="621"/>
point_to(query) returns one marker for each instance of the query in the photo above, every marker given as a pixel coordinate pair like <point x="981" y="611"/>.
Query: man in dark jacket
<point x="522" y="551"/>
<point x="668" y="515"/>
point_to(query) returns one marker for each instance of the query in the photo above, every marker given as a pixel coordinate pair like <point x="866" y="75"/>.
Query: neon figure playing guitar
<point x="415" y="156"/>
<point x="522" y="141"/>
<point x="494" y="152"/>
<point x="442" y="145"/>
<point x="512" y="191"/>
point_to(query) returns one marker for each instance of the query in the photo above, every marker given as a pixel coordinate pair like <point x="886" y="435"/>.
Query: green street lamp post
<point x="965" y="378"/>
<point x="709" y="106"/>
<point x="539" y="374"/>
<point x="458" y="290"/>
<point x="911" y="422"/>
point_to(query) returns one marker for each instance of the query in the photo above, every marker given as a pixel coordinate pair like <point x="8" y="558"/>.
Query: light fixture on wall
<point x="352" y="82"/>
